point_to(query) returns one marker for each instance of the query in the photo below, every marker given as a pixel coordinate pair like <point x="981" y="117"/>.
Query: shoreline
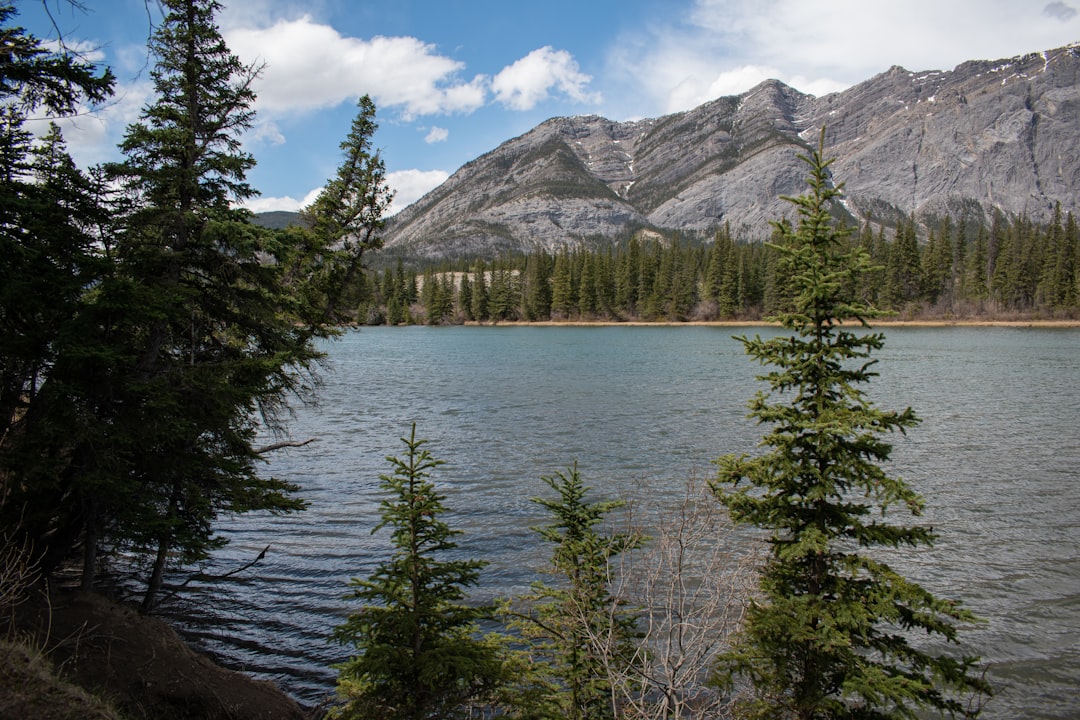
<point x="1048" y="324"/>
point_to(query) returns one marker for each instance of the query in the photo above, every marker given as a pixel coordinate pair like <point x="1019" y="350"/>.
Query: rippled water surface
<point x="997" y="457"/>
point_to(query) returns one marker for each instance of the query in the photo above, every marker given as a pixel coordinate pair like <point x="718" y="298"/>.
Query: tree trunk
<point x="90" y="546"/>
<point x="157" y="576"/>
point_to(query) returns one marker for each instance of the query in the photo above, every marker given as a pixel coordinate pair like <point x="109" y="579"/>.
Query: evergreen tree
<point x="346" y="218"/>
<point x="502" y="295"/>
<point x="33" y="76"/>
<point x="465" y="298"/>
<point x="562" y="302"/>
<point x="904" y="270"/>
<point x="727" y="291"/>
<point x="575" y="625"/>
<point x="832" y="636"/>
<point x="587" y="288"/>
<point x="418" y="654"/>
<point x="626" y="277"/>
<point x="537" y="288"/>
<point x="216" y="317"/>
<point x="975" y="275"/>
<point x="481" y="294"/>
<point x="51" y="256"/>
<point x="50" y="348"/>
<point x="202" y="344"/>
<point x="605" y="284"/>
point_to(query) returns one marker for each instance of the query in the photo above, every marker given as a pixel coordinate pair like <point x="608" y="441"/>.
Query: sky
<point x="453" y="79"/>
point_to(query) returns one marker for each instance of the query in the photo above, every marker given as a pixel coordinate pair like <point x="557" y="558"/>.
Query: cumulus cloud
<point x="309" y="65"/>
<point x="535" y="77"/>
<point x="436" y="135"/>
<point x="411" y="185"/>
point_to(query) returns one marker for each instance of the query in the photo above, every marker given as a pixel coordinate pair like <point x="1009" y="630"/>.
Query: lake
<point x="640" y="409"/>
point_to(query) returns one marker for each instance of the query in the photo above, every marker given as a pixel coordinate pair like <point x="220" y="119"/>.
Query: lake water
<point x="997" y="458"/>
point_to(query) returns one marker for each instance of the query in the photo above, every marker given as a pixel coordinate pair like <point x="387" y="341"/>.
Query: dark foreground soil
<point x="80" y="655"/>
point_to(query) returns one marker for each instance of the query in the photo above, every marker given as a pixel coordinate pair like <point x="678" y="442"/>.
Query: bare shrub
<point x="691" y="584"/>
<point x="18" y="571"/>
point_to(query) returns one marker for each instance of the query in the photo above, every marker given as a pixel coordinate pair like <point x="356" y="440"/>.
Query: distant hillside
<point x="986" y="136"/>
<point x="277" y="219"/>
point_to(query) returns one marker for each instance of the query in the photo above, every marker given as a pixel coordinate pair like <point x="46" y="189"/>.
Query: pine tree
<point x="418" y="650"/>
<point x="465" y="295"/>
<point x="562" y="296"/>
<point x="626" y="278"/>
<point x="537" y="288"/>
<point x="53" y="255"/>
<point x="904" y="271"/>
<point x="832" y="636"/>
<point x="33" y="76"/>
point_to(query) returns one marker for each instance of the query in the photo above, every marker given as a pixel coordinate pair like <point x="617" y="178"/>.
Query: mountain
<point x="985" y="136"/>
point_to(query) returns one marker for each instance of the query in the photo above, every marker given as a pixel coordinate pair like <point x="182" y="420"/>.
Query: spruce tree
<point x="215" y="317"/>
<point x="207" y="335"/>
<point x="574" y="624"/>
<point x="346" y="218"/>
<point x="418" y="653"/>
<point x="835" y="632"/>
<point x="480" y="288"/>
<point x="51" y="257"/>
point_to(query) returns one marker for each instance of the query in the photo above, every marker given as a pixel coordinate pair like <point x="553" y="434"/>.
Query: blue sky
<point x="452" y="79"/>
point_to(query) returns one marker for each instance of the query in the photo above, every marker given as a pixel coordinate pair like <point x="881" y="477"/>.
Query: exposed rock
<point x="985" y="136"/>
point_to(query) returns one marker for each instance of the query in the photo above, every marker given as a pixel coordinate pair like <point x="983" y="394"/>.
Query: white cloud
<point x="533" y="78"/>
<point x="285" y="204"/>
<point x="408" y="186"/>
<point x="411" y="185"/>
<point x="309" y="66"/>
<point x="436" y="135"/>
<point x="727" y="46"/>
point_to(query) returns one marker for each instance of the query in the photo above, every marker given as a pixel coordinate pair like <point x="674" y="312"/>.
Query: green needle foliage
<point x="148" y="329"/>
<point x="837" y="632"/>
<point x="418" y="649"/>
<point x="579" y="632"/>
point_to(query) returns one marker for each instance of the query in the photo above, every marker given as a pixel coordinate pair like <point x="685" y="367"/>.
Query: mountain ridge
<point x="987" y="136"/>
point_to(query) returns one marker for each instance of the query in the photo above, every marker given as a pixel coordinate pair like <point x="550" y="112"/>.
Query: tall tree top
<point x="184" y="153"/>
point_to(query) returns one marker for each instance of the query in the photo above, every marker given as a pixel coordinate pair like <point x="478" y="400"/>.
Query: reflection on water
<point x="997" y="458"/>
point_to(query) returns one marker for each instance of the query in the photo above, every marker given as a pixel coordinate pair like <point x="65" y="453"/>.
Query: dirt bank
<point x="138" y="664"/>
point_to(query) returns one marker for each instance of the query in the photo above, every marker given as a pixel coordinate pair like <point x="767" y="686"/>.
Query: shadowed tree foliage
<point x="169" y="327"/>
<point x="836" y="631"/>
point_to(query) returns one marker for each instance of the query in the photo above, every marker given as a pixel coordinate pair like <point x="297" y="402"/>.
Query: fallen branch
<point x="283" y="444"/>
<point x="212" y="578"/>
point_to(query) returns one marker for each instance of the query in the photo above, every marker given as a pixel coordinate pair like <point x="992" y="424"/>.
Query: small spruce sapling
<point x="418" y="649"/>
<point x="577" y="629"/>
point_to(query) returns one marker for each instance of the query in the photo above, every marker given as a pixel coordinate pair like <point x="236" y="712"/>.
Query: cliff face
<point x="987" y="135"/>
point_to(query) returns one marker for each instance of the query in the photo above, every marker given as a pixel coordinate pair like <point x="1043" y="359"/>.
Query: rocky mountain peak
<point x="987" y="136"/>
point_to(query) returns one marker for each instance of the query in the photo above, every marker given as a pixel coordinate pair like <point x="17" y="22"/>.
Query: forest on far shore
<point x="1009" y="269"/>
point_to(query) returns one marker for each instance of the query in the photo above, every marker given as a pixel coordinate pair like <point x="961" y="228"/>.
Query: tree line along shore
<point x="1007" y="270"/>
